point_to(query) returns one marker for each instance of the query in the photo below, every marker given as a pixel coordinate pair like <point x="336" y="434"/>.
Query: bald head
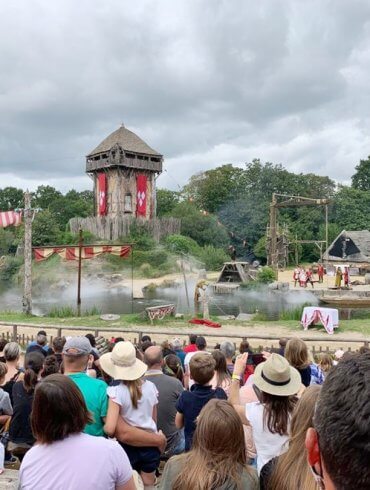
<point x="153" y="357"/>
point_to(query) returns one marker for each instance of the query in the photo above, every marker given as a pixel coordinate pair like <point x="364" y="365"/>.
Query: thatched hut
<point x="124" y="169"/>
<point x="350" y="247"/>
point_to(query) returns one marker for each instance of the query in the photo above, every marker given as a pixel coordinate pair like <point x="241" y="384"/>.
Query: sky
<point x="204" y="82"/>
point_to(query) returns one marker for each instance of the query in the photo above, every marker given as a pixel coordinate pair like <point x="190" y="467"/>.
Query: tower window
<point x="128" y="203"/>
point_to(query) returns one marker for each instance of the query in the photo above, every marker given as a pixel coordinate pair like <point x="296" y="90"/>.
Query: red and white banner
<point x="102" y="193"/>
<point x="141" y="195"/>
<point x="71" y="253"/>
<point x="10" y="218"/>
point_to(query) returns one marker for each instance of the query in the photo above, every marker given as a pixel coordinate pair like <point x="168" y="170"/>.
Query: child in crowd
<point x="6" y="410"/>
<point x="135" y="400"/>
<point x="190" y="403"/>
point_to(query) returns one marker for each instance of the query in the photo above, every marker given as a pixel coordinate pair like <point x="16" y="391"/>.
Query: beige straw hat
<point x="122" y="363"/>
<point x="277" y="377"/>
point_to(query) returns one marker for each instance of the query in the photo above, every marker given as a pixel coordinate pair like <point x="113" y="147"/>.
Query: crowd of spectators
<point x="80" y="413"/>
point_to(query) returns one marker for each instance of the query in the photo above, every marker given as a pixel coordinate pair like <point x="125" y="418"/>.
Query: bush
<point x="10" y="268"/>
<point x="182" y="244"/>
<point x="213" y="258"/>
<point x="266" y="275"/>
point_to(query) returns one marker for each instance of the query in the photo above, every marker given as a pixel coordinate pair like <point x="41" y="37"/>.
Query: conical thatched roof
<point x="127" y="140"/>
<point x="355" y="249"/>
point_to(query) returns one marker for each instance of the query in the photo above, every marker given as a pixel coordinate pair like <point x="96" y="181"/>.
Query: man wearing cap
<point x="76" y="353"/>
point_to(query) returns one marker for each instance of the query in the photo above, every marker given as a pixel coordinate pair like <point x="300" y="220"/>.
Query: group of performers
<point x="342" y="275"/>
<point x="304" y="276"/>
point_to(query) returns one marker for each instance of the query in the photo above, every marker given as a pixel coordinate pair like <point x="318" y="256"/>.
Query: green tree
<point x="351" y="209"/>
<point x="45" y="229"/>
<point x="45" y="196"/>
<point x="166" y="201"/>
<point x="361" y="179"/>
<point x="11" y="198"/>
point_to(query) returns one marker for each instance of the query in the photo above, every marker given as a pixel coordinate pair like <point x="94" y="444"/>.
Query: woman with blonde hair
<point x="296" y="353"/>
<point x="291" y="470"/>
<point x="217" y="458"/>
<point x="325" y="361"/>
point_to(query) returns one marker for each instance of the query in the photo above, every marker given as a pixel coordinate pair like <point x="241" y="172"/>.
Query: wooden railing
<point x="15" y="334"/>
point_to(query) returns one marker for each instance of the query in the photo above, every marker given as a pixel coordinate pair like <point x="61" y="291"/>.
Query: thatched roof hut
<point x="350" y="246"/>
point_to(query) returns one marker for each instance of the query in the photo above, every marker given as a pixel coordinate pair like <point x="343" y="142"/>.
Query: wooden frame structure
<point x="287" y="201"/>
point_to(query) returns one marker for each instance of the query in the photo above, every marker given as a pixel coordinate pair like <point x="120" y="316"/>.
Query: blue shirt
<point x="191" y="403"/>
<point x="181" y="355"/>
<point x="317" y="376"/>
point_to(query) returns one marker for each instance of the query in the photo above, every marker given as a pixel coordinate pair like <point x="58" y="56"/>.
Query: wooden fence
<point x="15" y="334"/>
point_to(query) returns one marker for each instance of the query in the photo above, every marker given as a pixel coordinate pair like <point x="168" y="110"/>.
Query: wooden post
<point x="80" y="242"/>
<point x="272" y="255"/>
<point x="132" y="278"/>
<point x="327" y="229"/>
<point x="27" y="291"/>
<point x="15" y="334"/>
<point x="186" y="283"/>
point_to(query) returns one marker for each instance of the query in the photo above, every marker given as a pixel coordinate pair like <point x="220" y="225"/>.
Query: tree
<point x="11" y="198"/>
<point x="45" y="229"/>
<point x="361" y="179"/>
<point x="351" y="209"/>
<point x="166" y="201"/>
<point x="45" y="196"/>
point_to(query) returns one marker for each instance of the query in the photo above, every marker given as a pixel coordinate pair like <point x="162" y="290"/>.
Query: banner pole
<point x="80" y="242"/>
<point x="27" y="291"/>
<point x="132" y="278"/>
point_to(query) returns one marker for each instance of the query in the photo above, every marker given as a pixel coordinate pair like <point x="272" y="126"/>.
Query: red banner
<point x="102" y="189"/>
<point x="87" y="252"/>
<point x="141" y="195"/>
<point x="10" y="218"/>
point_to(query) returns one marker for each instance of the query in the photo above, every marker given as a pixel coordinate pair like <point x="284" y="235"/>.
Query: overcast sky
<point x="203" y="82"/>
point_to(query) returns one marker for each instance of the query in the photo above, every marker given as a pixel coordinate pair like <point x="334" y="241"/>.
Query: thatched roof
<point x="356" y="246"/>
<point x="127" y="140"/>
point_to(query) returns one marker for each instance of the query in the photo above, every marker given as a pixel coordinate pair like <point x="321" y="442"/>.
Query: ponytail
<point x="29" y="380"/>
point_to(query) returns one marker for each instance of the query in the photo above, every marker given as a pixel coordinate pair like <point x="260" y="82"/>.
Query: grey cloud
<point x="203" y="82"/>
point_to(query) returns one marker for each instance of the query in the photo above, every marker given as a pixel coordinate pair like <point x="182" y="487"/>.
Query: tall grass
<point x="293" y="314"/>
<point x="70" y="312"/>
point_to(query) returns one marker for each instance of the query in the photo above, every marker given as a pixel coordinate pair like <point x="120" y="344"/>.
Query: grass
<point x="69" y="312"/>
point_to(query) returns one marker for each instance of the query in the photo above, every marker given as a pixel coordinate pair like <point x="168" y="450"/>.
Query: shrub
<point x="213" y="258"/>
<point x="266" y="275"/>
<point x="182" y="244"/>
<point x="10" y="268"/>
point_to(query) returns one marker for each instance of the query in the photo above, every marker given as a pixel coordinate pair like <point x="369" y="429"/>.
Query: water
<point x="118" y="300"/>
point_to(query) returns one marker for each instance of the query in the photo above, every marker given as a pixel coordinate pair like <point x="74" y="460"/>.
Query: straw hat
<point x="122" y="363"/>
<point x="277" y="377"/>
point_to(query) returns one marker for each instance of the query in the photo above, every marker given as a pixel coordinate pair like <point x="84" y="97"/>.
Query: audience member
<point x="166" y="348"/>
<point x="172" y="367"/>
<point x="76" y="353"/>
<point x="50" y="366"/>
<point x="325" y="362"/>
<point x="176" y="345"/>
<point x="135" y="400"/>
<point x="146" y="338"/>
<point x="291" y="470"/>
<point x="11" y="354"/>
<point x="317" y="375"/>
<point x="222" y="377"/>
<point x="41" y="345"/>
<point x="144" y="345"/>
<point x="169" y="391"/>
<point x="190" y="403"/>
<point x="3" y="343"/>
<point x="201" y="346"/>
<point x="58" y="344"/>
<point x="282" y="345"/>
<point x="64" y="457"/>
<point x="217" y="459"/>
<point x="275" y="383"/>
<point x="228" y="349"/>
<point x="20" y="432"/>
<point x="249" y="368"/>
<point x="296" y="353"/>
<point x="363" y="349"/>
<point x="338" y="443"/>
<point x="191" y="347"/>
<point x="6" y="409"/>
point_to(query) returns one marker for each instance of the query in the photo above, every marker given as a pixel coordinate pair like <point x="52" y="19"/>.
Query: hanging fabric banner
<point x="71" y="253"/>
<point x="141" y="195"/>
<point x="10" y="218"/>
<point x="102" y="189"/>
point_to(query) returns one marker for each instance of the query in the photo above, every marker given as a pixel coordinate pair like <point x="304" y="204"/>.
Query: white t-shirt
<point x="80" y="461"/>
<point x="142" y="416"/>
<point x="268" y="445"/>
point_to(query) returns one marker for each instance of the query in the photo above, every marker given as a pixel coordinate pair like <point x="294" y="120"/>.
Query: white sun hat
<point x="277" y="377"/>
<point x="122" y="363"/>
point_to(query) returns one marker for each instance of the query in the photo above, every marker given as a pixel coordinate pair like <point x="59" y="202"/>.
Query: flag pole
<point x="27" y="289"/>
<point x="80" y="243"/>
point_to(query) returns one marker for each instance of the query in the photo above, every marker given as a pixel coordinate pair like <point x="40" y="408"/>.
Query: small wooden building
<point x="124" y="170"/>
<point x="350" y="247"/>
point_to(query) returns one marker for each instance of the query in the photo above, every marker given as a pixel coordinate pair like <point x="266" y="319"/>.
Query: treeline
<point x="218" y="207"/>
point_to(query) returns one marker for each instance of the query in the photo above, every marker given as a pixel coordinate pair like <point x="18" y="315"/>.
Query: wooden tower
<point x="124" y="169"/>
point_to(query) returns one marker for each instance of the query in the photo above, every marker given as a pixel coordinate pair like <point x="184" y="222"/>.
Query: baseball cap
<point x="77" y="346"/>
